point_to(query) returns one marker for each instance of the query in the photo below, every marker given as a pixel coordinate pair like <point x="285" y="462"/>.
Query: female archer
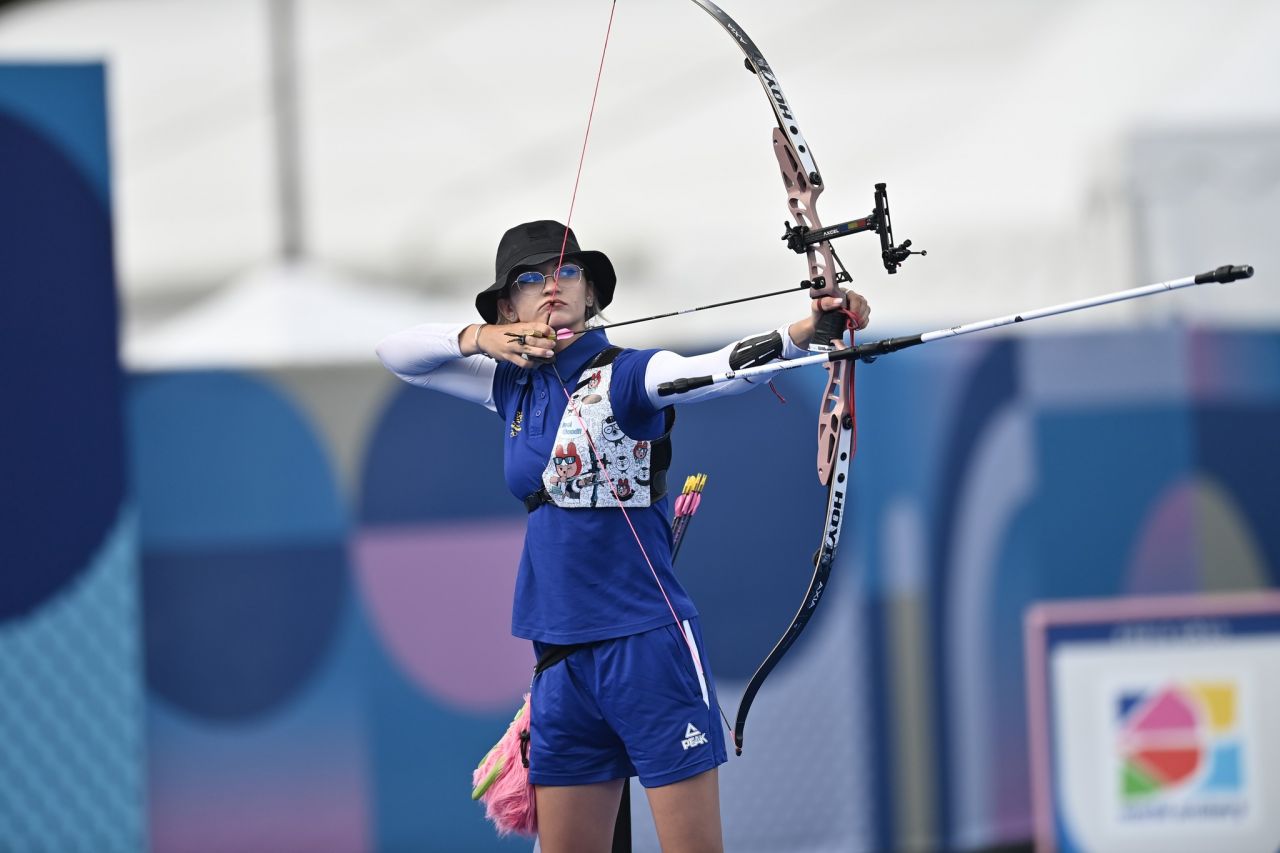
<point x="623" y="688"/>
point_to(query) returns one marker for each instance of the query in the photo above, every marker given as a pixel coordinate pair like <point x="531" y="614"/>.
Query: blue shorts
<point x="630" y="706"/>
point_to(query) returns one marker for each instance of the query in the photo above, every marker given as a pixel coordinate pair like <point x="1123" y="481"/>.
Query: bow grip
<point x="829" y="328"/>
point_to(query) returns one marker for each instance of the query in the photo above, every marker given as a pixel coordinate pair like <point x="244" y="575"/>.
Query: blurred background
<point x="255" y="593"/>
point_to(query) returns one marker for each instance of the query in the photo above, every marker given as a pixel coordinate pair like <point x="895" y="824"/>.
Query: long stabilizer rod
<point x="870" y="351"/>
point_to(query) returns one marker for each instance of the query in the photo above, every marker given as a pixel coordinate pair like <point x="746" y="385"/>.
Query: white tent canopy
<point x="295" y="314"/>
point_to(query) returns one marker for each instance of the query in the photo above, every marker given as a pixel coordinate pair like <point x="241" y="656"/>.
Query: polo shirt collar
<point x="573" y="359"/>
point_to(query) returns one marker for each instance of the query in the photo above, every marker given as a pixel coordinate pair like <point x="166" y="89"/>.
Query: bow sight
<point x="800" y="237"/>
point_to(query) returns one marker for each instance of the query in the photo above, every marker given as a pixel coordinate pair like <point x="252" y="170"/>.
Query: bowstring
<point x="555" y="283"/>
<point x="582" y="154"/>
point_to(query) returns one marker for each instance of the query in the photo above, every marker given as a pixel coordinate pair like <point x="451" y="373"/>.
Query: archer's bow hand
<point x="802" y="331"/>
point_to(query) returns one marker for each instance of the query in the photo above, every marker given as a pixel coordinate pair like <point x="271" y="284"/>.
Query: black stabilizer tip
<point x="679" y="386"/>
<point x="1226" y="273"/>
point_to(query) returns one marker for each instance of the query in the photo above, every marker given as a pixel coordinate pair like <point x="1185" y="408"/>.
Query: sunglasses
<point x="534" y="280"/>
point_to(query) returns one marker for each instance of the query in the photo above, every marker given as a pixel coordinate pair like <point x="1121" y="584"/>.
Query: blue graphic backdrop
<point x="70" y="681"/>
<point x="204" y="611"/>
<point x="358" y="642"/>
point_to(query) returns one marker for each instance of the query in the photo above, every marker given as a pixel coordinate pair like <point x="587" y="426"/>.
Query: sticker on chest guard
<point x="575" y="476"/>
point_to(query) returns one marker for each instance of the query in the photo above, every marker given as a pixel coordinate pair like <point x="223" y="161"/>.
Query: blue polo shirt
<point x="582" y="576"/>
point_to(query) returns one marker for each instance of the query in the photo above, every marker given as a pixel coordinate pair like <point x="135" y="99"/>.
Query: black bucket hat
<point x="533" y="243"/>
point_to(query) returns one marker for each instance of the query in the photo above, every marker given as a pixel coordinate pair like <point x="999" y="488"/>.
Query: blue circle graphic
<point x="244" y="561"/>
<point x="61" y="434"/>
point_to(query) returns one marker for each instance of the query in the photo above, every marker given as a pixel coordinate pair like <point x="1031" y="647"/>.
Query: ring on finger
<point x="525" y="356"/>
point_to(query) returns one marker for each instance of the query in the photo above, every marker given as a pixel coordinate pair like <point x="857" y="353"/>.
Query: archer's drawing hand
<point x="525" y="345"/>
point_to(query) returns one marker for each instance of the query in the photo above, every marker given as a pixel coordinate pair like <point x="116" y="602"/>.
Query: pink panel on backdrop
<point x="1167" y="558"/>
<point x="440" y="597"/>
<point x="261" y="817"/>
<point x="284" y="786"/>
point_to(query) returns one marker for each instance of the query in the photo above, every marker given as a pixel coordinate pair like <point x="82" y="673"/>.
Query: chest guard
<point x="575" y="475"/>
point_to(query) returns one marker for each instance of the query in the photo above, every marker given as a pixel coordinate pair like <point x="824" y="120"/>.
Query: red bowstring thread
<point x="582" y="154"/>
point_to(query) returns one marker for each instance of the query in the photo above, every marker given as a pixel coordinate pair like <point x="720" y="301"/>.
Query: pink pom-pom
<point x="502" y="781"/>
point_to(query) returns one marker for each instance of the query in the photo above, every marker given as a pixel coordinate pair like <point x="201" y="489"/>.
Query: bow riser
<point x="802" y="201"/>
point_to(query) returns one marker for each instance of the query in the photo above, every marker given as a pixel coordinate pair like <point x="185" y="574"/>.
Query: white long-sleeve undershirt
<point x="428" y="355"/>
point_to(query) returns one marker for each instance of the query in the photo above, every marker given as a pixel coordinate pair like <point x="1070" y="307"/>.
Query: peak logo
<point x="693" y="737"/>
